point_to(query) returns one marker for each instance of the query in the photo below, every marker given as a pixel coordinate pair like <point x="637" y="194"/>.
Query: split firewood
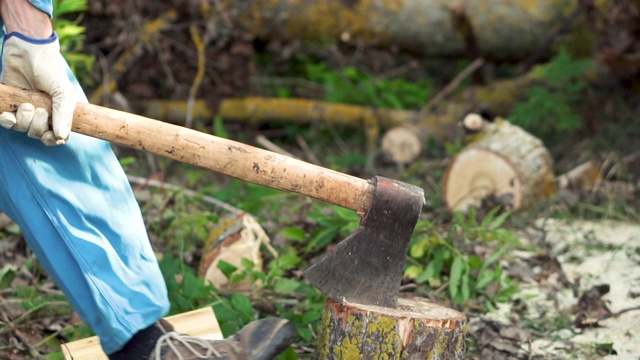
<point x="236" y="237"/>
<point x="503" y="165"/>
<point x="416" y="329"/>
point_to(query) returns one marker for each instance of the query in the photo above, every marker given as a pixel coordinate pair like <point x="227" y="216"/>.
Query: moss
<point x="324" y="335"/>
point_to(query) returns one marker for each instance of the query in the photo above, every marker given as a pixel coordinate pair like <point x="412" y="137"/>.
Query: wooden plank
<point x="201" y="323"/>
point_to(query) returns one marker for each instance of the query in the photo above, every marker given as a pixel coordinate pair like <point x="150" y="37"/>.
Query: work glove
<point x="37" y="64"/>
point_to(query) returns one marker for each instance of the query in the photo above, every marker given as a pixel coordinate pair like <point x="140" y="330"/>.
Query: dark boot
<point x="260" y="340"/>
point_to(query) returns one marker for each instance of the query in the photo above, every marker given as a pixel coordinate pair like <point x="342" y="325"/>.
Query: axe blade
<point x="366" y="267"/>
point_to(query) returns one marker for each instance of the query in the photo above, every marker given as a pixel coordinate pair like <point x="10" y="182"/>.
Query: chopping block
<point x="416" y="329"/>
<point x="201" y="323"/>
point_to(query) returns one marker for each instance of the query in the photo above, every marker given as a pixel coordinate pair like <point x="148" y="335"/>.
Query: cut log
<point x="201" y="323"/>
<point x="503" y="165"/>
<point x="583" y="177"/>
<point x="235" y="237"/>
<point x="416" y="329"/>
<point x="503" y="29"/>
<point x="403" y="144"/>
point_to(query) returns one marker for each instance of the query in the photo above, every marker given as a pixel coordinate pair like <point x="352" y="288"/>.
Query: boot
<point x="259" y="340"/>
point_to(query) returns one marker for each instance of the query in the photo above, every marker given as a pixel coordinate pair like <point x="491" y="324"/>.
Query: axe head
<point x="366" y="267"/>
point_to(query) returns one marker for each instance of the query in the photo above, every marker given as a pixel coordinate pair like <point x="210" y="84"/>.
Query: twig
<point x="26" y="314"/>
<point x="200" y="47"/>
<point x="307" y="150"/>
<point x="616" y="314"/>
<point x="267" y="144"/>
<point x="33" y="352"/>
<point x="451" y="86"/>
<point x="162" y="185"/>
<point x="53" y="335"/>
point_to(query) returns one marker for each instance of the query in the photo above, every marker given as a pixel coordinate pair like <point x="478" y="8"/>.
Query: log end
<point x="402" y="144"/>
<point x="478" y="173"/>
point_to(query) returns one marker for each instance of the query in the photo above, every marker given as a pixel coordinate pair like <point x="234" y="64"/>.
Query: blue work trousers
<point x="79" y="216"/>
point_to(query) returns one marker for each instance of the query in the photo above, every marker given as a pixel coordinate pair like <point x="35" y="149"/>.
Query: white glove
<point x="37" y="64"/>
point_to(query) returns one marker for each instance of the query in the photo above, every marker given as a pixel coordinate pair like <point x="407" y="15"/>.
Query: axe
<point x="364" y="268"/>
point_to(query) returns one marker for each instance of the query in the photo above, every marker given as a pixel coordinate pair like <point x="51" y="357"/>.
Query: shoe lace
<point x="173" y="340"/>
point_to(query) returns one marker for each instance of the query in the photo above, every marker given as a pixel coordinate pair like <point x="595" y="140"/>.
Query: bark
<point x="258" y="110"/>
<point x="501" y="29"/>
<point x="416" y="329"/>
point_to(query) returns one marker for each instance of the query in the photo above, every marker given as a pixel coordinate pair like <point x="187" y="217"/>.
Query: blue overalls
<point x="79" y="216"/>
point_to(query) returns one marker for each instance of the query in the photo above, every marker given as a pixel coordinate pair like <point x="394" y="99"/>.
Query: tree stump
<point x="416" y="329"/>
<point x="503" y="165"/>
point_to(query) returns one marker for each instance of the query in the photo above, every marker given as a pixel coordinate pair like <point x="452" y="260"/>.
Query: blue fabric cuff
<point x="31" y="40"/>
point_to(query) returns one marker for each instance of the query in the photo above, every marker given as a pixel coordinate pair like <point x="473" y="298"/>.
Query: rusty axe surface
<point x="366" y="267"/>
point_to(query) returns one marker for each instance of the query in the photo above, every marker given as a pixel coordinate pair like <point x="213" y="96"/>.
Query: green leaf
<point x="311" y="317"/>
<point x="247" y="264"/>
<point x="224" y="310"/>
<point x="413" y="271"/>
<point x="484" y="278"/>
<point x="7" y="274"/>
<point x="423" y="246"/>
<point x="242" y="304"/>
<point x="69" y="31"/>
<point x="432" y="270"/>
<point x="321" y="239"/>
<point x="294" y="234"/>
<point x="494" y="257"/>
<point x="455" y="277"/>
<point x="286" y="262"/>
<point x="227" y="268"/>
<point x="465" y="286"/>
<point x="288" y="354"/>
<point x="499" y="220"/>
<point x="190" y="286"/>
<point x="459" y="217"/>
<point x="218" y="127"/>
<point x="286" y="285"/>
<point x="229" y="328"/>
<point x="606" y="349"/>
<point x="62" y="7"/>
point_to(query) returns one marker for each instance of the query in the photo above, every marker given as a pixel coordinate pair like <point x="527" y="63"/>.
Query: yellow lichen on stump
<point x="416" y="329"/>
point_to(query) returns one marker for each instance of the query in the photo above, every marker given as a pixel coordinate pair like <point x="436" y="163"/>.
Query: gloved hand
<point x="37" y="64"/>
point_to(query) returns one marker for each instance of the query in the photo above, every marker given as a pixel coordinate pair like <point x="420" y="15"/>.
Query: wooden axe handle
<point x="228" y="157"/>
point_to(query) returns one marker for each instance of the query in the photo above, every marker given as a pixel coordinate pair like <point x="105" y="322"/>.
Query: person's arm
<point x="31" y="59"/>
<point x="21" y="16"/>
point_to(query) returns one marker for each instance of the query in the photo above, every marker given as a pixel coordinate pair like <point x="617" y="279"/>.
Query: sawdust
<point x="591" y="256"/>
